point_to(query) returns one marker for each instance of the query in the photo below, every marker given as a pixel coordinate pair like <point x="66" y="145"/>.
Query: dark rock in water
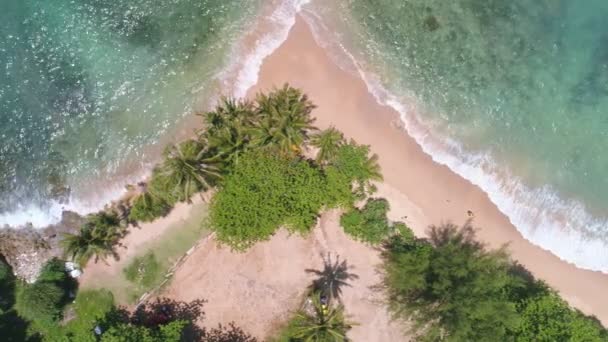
<point x="27" y="249"/>
<point x="431" y="23"/>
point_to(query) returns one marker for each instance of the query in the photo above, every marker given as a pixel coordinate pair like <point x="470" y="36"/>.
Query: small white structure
<point x="73" y="269"/>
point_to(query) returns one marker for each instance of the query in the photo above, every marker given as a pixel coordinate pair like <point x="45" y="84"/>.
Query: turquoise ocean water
<point x="512" y="95"/>
<point x="86" y="86"/>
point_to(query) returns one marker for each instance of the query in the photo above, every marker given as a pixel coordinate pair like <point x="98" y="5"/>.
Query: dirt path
<point x="109" y="274"/>
<point x="261" y="288"/>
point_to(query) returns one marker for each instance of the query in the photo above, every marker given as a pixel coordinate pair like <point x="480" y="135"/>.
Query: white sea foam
<point x="246" y="65"/>
<point x="237" y="78"/>
<point x="563" y="227"/>
<point x="40" y="216"/>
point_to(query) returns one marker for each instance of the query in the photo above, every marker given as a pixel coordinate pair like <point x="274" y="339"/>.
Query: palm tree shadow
<point x="332" y="278"/>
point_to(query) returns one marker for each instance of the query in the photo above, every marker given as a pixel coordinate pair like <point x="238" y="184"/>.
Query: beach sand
<point x="259" y="289"/>
<point x="433" y="192"/>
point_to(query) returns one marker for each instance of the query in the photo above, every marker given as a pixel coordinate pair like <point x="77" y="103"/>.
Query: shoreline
<point x="415" y="185"/>
<point x="434" y="192"/>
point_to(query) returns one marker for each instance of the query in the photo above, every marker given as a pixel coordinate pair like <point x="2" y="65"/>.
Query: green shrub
<point x="404" y="231"/>
<point x="368" y="224"/>
<point x="263" y="192"/>
<point x="7" y="287"/>
<point x="53" y="271"/>
<point x="549" y="318"/>
<point x="355" y="163"/>
<point x="338" y="188"/>
<point x="170" y="332"/>
<point x="144" y="271"/>
<point x="40" y="302"/>
<point x="148" y="207"/>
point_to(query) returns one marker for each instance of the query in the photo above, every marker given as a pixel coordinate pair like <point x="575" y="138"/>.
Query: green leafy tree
<point x="190" y="169"/>
<point x="324" y="324"/>
<point x="285" y="121"/>
<point x="548" y="318"/>
<point x="369" y="224"/>
<point x="12" y="326"/>
<point x="355" y="163"/>
<point x="40" y="302"/>
<point x="97" y="238"/>
<point x="125" y="332"/>
<point x="450" y="287"/>
<point x="263" y="192"/>
<point x="328" y="142"/>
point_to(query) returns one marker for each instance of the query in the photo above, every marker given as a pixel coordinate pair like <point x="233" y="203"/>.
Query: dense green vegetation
<point x="32" y="312"/>
<point x="452" y="289"/>
<point x="97" y="238"/>
<point x="263" y="192"/>
<point x="268" y="183"/>
<point x="449" y="286"/>
<point x="370" y="223"/>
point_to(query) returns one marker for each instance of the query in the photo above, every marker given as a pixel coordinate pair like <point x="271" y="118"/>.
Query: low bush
<point x="370" y="223"/>
<point x="40" y="302"/>
<point x="144" y="271"/>
<point x="355" y="163"/>
<point x="263" y="192"/>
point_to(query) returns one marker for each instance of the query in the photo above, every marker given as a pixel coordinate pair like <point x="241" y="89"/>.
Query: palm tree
<point x="97" y="237"/>
<point x="285" y="120"/>
<point x="372" y="168"/>
<point x="324" y="324"/>
<point x="228" y="113"/>
<point x="228" y="129"/>
<point x="331" y="278"/>
<point x="230" y="142"/>
<point x="189" y="169"/>
<point x="328" y="142"/>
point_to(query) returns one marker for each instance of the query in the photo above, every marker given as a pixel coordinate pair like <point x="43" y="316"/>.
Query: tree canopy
<point x="452" y="289"/>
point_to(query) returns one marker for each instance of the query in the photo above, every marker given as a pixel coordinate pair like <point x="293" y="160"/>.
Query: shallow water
<point x="515" y="94"/>
<point x="86" y="85"/>
<point x="511" y="95"/>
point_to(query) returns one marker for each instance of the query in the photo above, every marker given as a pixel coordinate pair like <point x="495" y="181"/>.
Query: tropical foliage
<point x="328" y="143"/>
<point x="354" y="161"/>
<point x="370" y="223"/>
<point x="148" y="206"/>
<point x="284" y="120"/>
<point x="263" y="192"/>
<point x="190" y="169"/>
<point x="452" y="289"/>
<point x="97" y="238"/>
<point x="125" y="332"/>
<point x="323" y="323"/>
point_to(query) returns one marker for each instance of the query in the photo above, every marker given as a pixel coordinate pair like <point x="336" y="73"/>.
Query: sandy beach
<point x="434" y="193"/>
<point x="260" y="288"/>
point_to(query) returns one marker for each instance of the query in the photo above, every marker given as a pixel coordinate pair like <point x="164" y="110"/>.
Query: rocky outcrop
<point x="27" y="249"/>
